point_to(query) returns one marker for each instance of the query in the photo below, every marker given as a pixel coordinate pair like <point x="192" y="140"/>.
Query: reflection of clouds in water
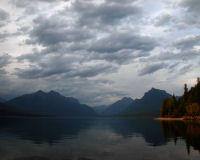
<point x="99" y="141"/>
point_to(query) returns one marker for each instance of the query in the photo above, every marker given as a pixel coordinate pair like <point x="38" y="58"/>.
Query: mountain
<point x="2" y="100"/>
<point x="100" y="109"/>
<point x="118" y="107"/>
<point x="51" y="103"/>
<point x="150" y="103"/>
<point x="6" y="110"/>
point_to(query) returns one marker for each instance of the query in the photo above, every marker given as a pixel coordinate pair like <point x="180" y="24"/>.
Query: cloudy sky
<point x="98" y="50"/>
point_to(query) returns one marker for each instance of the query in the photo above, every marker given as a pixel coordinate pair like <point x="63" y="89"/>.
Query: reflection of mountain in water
<point x="52" y="130"/>
<point x="186" y="130"/>
<point x="44" y="130"/>
<point x="146" y="127"/>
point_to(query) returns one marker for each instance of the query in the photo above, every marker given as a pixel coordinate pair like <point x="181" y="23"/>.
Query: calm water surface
<point x="98" y="139"/>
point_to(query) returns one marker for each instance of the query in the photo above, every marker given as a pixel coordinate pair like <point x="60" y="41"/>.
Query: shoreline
<point x="169" y="119"/>
<point x="177" y="119"/>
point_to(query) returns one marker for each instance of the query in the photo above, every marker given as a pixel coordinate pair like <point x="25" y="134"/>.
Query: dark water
<point x="98" y="139"/>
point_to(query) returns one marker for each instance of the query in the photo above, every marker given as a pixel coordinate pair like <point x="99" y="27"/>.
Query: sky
<point x="98" y="51"/>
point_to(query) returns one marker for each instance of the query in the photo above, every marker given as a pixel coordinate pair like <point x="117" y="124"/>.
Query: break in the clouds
<point x="98" y="50"/>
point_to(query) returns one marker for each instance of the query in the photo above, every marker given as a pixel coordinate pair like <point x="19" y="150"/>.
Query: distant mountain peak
<point x="155" y="90"/>
<point x="50" y="103"/>
<point x="149" y="104"/>
<point x="2" y="100"/>
<point x="126" y="98"/>
<point x="118" y="106"/>
<point x="53" y="93"/>
<point x="39" y="92"/>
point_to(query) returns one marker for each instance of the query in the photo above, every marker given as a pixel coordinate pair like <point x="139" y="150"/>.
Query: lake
<point x="98" y="139"/>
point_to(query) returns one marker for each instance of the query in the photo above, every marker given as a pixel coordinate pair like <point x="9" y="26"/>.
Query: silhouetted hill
<point x="2" y="100"/>
<point x="100" y="109"/>
<point x="150" y="103"/>
<point x="118" y="107"/>
<point x="6" y="111"/>
<point x="51" y="103"/>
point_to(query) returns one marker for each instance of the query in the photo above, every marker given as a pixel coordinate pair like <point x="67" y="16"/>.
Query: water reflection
<point x="96" y="139"/>
<point x="44" y="130"/>
<point x="145" y="127"/>
<point x="189" y="131"/>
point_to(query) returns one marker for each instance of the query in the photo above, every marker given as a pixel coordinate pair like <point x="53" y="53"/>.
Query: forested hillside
<point x="187" y="105"/>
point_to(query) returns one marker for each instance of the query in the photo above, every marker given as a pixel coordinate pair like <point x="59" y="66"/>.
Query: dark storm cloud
<point x="68" y="71"/>
<point x="185" y="69"/>
<point x="28" y="3"/>
<point x="61" y="65"/>
<point x="31" y="57"/>
<point x="5" y="59"/>
<point x="191" y="5"/>
<point x="44" y="66"/>
<point x="163" y="19"/>
<point x="123" y="40"/>
<point x="2" y="71"/>
<point x="170" y="57"/>
<point x="61" y="37"/>
<point x="4" y="17"/>
<point x="183" y="55"/>
<point x="104" y="13"/>
<point x="94" y="70"/>
<point x="187" y="42"/>
<point x="38" y="72"/>
<point x="33" y="7"/>
<point x="3" y="36"/>
<point x="120" y="1"/>
<point x="192" y="10"/>
<point x="152" y="68"/>
<point x="124" y="56"/>
<point x="53" y="30"/>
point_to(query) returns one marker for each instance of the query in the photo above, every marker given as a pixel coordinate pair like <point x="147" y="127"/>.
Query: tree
<point x="185" y="89"/>
<point x="198" y="80"/>
<point x="193" y="109"/>
<point x="186" y="105"/>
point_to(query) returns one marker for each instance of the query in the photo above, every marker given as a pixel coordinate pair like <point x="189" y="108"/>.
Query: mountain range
<point x="118" y="107"/>
<point x="2" y="100"/>
<point x="51" y="103"/>
<point x="100" y="109"/>
<point x="54" y="104"/>
<point x="149" y="104"/>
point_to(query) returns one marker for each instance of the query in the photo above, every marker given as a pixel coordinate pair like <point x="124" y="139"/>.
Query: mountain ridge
<point x="149" y="104"/>
<point x="53" y="103"/>
<point x="117" y="107"/>
<point x="50" y="103"/>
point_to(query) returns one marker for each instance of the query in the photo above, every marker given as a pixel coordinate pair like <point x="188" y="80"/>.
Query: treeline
<point x="186" y="105"/>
